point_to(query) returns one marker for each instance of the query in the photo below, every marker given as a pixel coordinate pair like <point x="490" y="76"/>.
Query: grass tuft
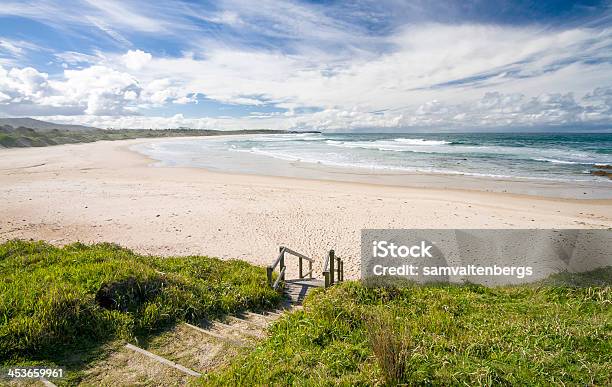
<point x="391" y="345"/>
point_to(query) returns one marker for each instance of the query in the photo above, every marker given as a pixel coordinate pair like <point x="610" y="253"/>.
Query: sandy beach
<point x="104" y="192"/>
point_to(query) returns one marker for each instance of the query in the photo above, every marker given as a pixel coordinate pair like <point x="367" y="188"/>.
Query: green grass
<point x="26" y="137"/>
<point x="544" y="334"/>
<point x="66" y="306"/>
<point x="55" y="302"/>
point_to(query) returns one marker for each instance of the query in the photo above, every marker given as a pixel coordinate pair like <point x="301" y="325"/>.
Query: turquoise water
<point x="565" y="157"/>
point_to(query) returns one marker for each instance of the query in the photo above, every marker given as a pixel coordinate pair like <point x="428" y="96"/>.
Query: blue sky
<point x="337" y="66"/>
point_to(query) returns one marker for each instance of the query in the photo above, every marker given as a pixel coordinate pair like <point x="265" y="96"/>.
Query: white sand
<point x="105" y="192"/>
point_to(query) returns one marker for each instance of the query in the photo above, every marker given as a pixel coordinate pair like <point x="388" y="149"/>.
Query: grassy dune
<point x="61" y="306"/>
<point x="55" y="301"/>
<point x="551" y="334"/>
<point x="26" y="137"/>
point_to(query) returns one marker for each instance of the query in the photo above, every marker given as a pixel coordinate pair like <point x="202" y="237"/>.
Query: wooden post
<point x="310" y="268"/>
<point x="342" y="271"/>
<point x="326" y="275"/>
<point x="300" y="263"/>
<point x="269" y="273"/>
<point x="281" y="251"/>
<point x="331" y="267"/>
<point x="339" y="268"/>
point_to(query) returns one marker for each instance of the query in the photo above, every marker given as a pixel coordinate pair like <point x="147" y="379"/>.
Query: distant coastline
<point x="25" y="137"/>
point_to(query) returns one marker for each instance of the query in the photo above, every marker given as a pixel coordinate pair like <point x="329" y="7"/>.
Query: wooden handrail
<point x="333" y="267"/>
<point x="326" y="264"/>
<point x="329" y="271"/>
<point x="281" y="261"/>
<point x="280" y="255"/>
<point x="288" y="250"/>
<point x="280" y="276"/>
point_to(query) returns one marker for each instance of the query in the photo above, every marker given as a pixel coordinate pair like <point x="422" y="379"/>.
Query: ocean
<point x="530" y="156"/>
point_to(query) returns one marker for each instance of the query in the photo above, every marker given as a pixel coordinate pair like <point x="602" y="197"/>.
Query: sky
<point x="309" y="65"/>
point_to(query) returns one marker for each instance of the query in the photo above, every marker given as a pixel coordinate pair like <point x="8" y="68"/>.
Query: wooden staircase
<point x="295" y="290"/>
<point x="189" y="350"/>
<point x="181" y="354"/>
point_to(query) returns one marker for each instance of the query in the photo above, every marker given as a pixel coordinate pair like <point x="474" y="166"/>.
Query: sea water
<point x="533" y="156"/>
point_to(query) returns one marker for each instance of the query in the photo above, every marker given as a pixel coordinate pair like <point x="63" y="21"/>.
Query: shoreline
<point x="105" y="192"/>
<point x="245" y="163"/>
<point x="151" y="162"/>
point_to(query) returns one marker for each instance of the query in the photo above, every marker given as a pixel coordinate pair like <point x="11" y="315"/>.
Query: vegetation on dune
<point x="25" y="137"/>
<point x="56" y="300"/>
<point x="65" y="306"/>
<point x="549" y="333"/>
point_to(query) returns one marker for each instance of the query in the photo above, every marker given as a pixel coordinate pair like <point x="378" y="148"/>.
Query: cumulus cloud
<point x="136" y="59"/>
<point x="98" y="89"/>
<point x="25" y="84"/>
<point x="94" y="90"/>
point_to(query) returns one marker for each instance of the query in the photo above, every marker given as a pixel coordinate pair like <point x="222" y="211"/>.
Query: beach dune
<point x="104" y="192"/>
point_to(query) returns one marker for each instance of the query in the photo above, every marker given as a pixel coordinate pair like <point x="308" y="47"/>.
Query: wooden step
<point x="176" y="356"/>
<point x="162" y="360"/>
<point x="252" y="322"/>
<point x="217" y="335"/>
<point x="296" y="290"/>
<point x="127" y="367"/>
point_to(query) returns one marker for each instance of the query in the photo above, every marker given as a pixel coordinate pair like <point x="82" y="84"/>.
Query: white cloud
<point x="122" y="13"/>
<point x="142" y="122"/>
<point x="225" y="17"/>
<point x="13" y="51"/>
<point x="28" y="81"/>
<point x="136" y="59"/>
<point x="112" y="18"/>
<point x="428" y="75"/>
<point x="77" y="58"/>
<point x="26" y="84"/>
<point x="186" y="99"/>
<point x="94" y="90"/>
<point x="112" y="33"/>
<point x="99" y="89"/>
<point x="492" y="110"/>
<point x="130" y="95"/>
<point x="433" y="62"/>
<point x="10" y="47"/>
<point x="600" y="99"/>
